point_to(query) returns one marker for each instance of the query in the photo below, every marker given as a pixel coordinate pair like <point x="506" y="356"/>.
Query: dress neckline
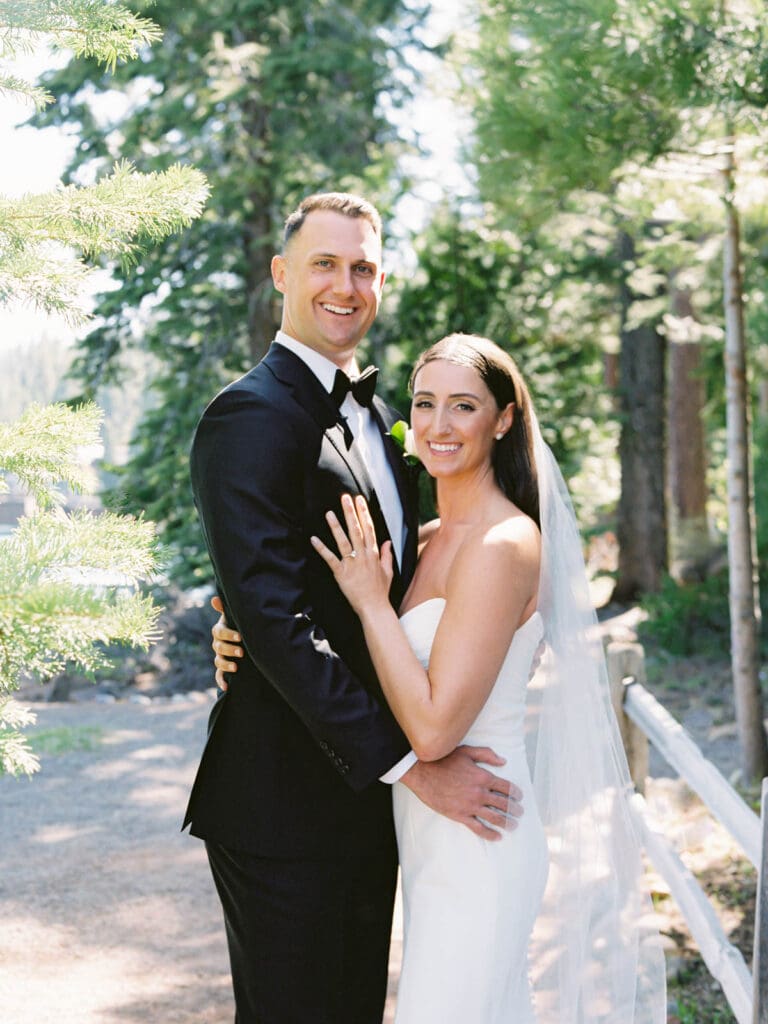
<point x="415" y="607"/>
<point x="536" y="614"/>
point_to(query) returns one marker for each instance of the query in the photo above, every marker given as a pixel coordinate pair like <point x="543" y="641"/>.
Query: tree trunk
<point x="689" y="539"/>
<point x="642" y="530"/>
<point x="742" y="554"/>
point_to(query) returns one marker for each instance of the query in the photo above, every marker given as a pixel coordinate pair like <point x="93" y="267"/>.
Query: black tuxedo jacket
<point x="299" y="740"/>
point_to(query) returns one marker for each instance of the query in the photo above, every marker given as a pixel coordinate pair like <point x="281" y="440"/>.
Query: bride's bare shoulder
<point x="502" y="545"/>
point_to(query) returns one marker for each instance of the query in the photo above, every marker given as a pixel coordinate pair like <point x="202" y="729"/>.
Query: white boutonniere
<point x="402" y="435"/>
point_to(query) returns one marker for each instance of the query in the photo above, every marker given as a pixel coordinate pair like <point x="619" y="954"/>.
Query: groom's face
<point x="331" y="279"/>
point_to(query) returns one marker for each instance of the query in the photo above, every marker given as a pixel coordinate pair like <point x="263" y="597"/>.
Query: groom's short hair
<point x="340" y="202"/>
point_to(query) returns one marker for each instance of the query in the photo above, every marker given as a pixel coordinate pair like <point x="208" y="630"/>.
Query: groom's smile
<point x="331" y="279"/>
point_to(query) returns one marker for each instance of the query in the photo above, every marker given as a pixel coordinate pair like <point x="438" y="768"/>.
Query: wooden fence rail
<point x="642" y="718"/>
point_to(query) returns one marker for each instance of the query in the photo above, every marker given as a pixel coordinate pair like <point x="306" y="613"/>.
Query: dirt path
<point x="107" y="913"/>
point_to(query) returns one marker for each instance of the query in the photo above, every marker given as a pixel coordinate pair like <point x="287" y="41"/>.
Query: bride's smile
<point x="455" y="420"/>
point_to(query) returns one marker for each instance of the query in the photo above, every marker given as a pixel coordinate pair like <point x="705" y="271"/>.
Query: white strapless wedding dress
<point x="469" y="905"/>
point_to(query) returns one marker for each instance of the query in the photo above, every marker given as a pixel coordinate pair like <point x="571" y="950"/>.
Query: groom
<point x="298" y="827"/>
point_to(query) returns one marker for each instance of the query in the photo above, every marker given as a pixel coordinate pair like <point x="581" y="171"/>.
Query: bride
<point x="549" y="924"/>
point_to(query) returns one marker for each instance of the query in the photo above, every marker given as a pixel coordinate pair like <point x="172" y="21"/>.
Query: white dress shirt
<point x="371" y="447"/>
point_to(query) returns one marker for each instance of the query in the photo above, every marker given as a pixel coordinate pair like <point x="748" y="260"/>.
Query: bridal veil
<point x="596" y="956"/>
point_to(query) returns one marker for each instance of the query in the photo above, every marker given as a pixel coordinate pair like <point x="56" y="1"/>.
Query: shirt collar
<point x="323" y="368"/>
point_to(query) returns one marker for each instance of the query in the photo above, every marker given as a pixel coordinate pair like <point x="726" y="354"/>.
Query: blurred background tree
<point x="641" y="104"/>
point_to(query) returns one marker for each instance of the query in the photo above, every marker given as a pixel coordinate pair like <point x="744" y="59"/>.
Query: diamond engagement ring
<point x="350" y="554"/>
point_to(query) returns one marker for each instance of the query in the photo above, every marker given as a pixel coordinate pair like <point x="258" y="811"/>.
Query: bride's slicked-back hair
<point x="512" y="457"/>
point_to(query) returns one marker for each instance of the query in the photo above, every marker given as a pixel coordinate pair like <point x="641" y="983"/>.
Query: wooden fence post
<point x="760" y="958"/>
<point x="626" y="664"/>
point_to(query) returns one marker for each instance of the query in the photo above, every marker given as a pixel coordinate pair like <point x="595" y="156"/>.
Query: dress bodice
<point x="500" y="721"/>
<point x="469" y="905"/>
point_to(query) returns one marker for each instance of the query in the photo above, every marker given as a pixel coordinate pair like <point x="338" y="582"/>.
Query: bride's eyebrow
<point x="459" y="394"/>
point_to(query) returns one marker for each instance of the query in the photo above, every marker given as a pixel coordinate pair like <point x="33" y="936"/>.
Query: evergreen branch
<point x="68" y="587"/>
<point x="43" y="448"/>
<point x="45" y="628"/>
<point x="45" y="276"/>
<point x="114" y="217"/>
<point x="16" y="758"/>
<point x="110" y="217"/>
<point x="21" y="88"/>
<point x="108" y="32"/>
<point x="73" y="548"/>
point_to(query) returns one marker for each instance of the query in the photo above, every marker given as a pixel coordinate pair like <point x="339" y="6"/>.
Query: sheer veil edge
<point x="596" y="955"/>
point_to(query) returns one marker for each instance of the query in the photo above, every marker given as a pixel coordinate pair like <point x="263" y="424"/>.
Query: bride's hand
<point x="363" y="573"/>
<point x="225" y="645"/>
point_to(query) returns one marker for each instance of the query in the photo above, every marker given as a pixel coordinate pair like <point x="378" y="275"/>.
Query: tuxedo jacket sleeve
<point x="267" y="463"/>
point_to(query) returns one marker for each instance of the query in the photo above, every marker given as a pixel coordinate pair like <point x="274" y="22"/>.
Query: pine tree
<point x="69" y="582"/>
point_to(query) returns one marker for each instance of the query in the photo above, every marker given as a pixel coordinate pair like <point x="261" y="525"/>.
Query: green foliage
<point x="15" y="755"/>
<point x="569" y="93"/>
<point x="272" y="101"/>
<point x="43" y="449"/>
<point x="107" y="32"/>
<point x="69" y="584"/>
<point x="117" y="216"/>
<point x="689" y="619"/>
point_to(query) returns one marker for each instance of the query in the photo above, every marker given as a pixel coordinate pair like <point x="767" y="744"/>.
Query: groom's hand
<point x="458" y="787"/>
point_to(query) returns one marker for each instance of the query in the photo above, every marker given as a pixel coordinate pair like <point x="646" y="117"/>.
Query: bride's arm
<point x="491" y="585"/>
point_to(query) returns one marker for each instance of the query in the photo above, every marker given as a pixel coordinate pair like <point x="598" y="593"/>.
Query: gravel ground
<point x="108" y="912"/>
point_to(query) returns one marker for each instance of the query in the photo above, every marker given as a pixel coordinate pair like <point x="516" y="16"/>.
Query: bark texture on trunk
<point x="642" y="527"/>
<point x="689" y="540"/>
<point x="742" y="554"/>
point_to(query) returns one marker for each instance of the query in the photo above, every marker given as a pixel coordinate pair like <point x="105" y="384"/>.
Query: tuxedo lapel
<point x="385" y="418"/>
<point x="307" y="390"/>
<point x="310" y="394"/>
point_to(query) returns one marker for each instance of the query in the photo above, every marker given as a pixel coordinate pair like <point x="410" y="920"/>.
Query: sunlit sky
<point x="34" y="160"/>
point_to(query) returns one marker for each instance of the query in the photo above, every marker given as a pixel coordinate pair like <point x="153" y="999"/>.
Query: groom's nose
<point x="342" y="281"/>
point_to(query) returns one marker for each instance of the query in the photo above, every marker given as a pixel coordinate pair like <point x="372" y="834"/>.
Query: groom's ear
<point x="278" y="272"/>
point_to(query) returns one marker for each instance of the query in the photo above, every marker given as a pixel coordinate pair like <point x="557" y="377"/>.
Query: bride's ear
<point x="505" y="420"/>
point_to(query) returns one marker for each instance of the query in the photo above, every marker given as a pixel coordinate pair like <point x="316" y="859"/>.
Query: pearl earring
<point x="499" y="437"/>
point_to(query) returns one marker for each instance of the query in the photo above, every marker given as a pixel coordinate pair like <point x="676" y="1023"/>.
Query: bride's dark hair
<point x="512" y="458"/>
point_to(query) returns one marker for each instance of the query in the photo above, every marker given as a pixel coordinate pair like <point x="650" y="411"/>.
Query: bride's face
<point x="455" y="419"/>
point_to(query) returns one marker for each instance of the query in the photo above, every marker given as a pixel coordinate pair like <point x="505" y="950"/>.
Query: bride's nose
<point x="442" y="420"/>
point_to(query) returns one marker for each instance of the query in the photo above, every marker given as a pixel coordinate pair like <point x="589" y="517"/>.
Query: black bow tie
<point x="362" y="387"/>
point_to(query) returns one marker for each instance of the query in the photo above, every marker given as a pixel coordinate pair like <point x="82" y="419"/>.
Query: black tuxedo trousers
<point x="286" y="795"/>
